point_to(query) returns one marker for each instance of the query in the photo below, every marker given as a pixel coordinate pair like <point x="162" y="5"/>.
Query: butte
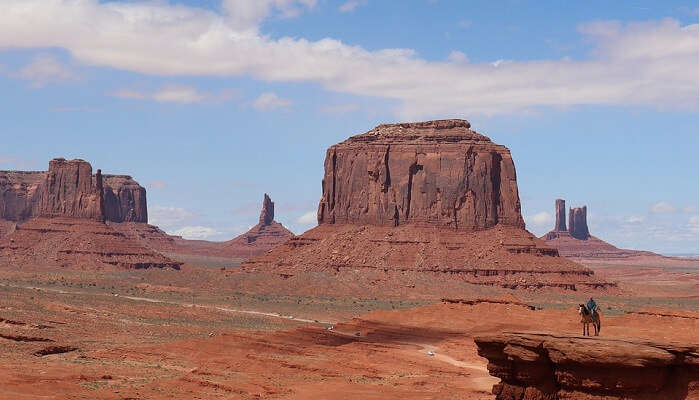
<point x="59" y="220"/>
<point x="433" y="204"/>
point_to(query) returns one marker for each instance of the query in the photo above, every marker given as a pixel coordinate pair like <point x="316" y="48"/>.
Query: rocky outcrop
<point x="77" y="243"/>
<point x="422" y="201"/>
<point x="541" y="366"/>
<point x="437" y="173"/>
<point x="262" y="237"/>
<point x="22" y="194"/>
<point x="267" y="213"/>
<point x="560" y="216"/>
<point x="577" y="223"/>
<point x="124" y="199"/>
<point x="578" y="243"/>
<point x="69" y="191"/>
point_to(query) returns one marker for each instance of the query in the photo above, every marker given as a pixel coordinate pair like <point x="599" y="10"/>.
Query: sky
<point x="209" y="104"/>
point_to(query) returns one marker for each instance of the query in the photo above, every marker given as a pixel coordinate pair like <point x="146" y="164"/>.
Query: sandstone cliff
<point x="540" y="366"/>
<point x="262" y="237"/>
<point x="22" y="195"/>
<point x="437" y="173"/>
<point x="421" y="201"/>
<point x="69" y="191"/>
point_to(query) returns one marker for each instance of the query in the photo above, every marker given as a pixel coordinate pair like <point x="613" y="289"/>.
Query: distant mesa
<point x="24" y="193"/>
<point x="427" y="200"/>
<point x="262" y="237"/>
<point x="577" y="242"/>
<point x="59" y="220"/>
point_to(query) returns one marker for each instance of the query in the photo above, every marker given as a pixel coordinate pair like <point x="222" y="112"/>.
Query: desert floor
<point x="202" y="333"/>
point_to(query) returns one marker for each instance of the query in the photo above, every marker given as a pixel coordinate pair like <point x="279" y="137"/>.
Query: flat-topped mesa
<point x="577" y="223"/>
<point x="267" y="213"/>
<point x="22" y="195"/>
<point x="69" y="191"/>
<point x="435" y="173"/>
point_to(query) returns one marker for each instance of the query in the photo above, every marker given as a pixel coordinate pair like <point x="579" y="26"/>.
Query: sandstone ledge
<point x="538" y="366"/>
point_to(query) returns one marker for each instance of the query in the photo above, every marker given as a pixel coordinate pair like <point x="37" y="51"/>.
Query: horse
<point x="587" y="318"/>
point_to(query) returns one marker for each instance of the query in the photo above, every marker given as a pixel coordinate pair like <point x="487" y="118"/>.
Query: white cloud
<point x="662" y="207"/>
<point x="174" y="94"/>
<point x="650" y="64"/>
<point x="457" y="57"/>
<point x="43" y="70"/>
<point x="351" y="5"/>
<point x="158" y="185"/>
<point x="634" y="219"/>
<point x="196" y="232"/>
<point x="168" y="217"/>
<point x="309" y="218"/>
<point x="541" y="219"/>
<point x="270" y="101"/>
<point x="694" y="223"/>
<point x="690" y="209"/>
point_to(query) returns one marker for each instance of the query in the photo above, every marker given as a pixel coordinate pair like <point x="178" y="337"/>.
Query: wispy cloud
<point x="173" y="93"/>
<point x="270" y="101"/>
<point x="168" y="216"/>
<point x="196" y="232"/>
<point x="45" y="69"/>
<point x="351" y="5"/>
<point x="652" y="64"/>
<point x="540" y="220"/>
<point x="662" y="207"/>
<point x="157" y="185"/>
<point x="309" y="218"/>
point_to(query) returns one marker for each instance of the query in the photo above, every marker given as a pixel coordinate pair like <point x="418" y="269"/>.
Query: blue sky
<point x="211" y="103"/>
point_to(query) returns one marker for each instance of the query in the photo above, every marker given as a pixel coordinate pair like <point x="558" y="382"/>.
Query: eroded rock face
<point x="437" y="173"/>
<point x="421" y="201"/>
<point x="560" y="216"/>
<point x="577" y="223"/>
<point x="267" y="214"/>
<point x="22" y="194"/>
<point x="124" y="199"/>
<point x="540" y="366"/>
<point x="69" y="191"/>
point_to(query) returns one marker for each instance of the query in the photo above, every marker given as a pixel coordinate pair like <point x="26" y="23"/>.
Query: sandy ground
<point x="188" y="334"/>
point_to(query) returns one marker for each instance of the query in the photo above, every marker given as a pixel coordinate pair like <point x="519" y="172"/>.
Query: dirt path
<point x="177" y="303"/>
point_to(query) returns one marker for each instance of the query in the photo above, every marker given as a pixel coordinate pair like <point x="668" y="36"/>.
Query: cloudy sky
<point x="211" y="103"/>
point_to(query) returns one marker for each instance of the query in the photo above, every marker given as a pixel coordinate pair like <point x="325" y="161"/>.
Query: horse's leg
<point x="583" y="326"/>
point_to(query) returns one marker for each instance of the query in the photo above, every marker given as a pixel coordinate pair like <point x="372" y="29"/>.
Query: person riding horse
<point x="590" y="315"/>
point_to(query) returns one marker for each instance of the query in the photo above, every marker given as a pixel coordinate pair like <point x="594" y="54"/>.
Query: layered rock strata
<point x="262" y="237"/>
<point x="22" y="194"/>
<point x="541" y="366"/>
<point x="430" y="199"/>
<point x="437" y="173"/>
<point x="560" y="216"/>
<point x="71" y="231"/>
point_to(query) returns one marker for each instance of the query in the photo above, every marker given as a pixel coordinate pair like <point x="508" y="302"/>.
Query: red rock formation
<point x="124" y="199"/>
<point x="262" y="237"/>
<point x="78" y="243"/>
<point x="539" y="366"/>
<point x="429" y="199"/>
<point x="437" y="173"/>
<point x="22" y="195"/>
<point x="69" y="191"/>
<point x="579" y="244"/>
<point x="577" y="223"/>
<point x="560" y="216"/>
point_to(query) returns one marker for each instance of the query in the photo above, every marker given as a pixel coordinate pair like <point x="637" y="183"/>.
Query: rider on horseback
<point x="591" y="306"/>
